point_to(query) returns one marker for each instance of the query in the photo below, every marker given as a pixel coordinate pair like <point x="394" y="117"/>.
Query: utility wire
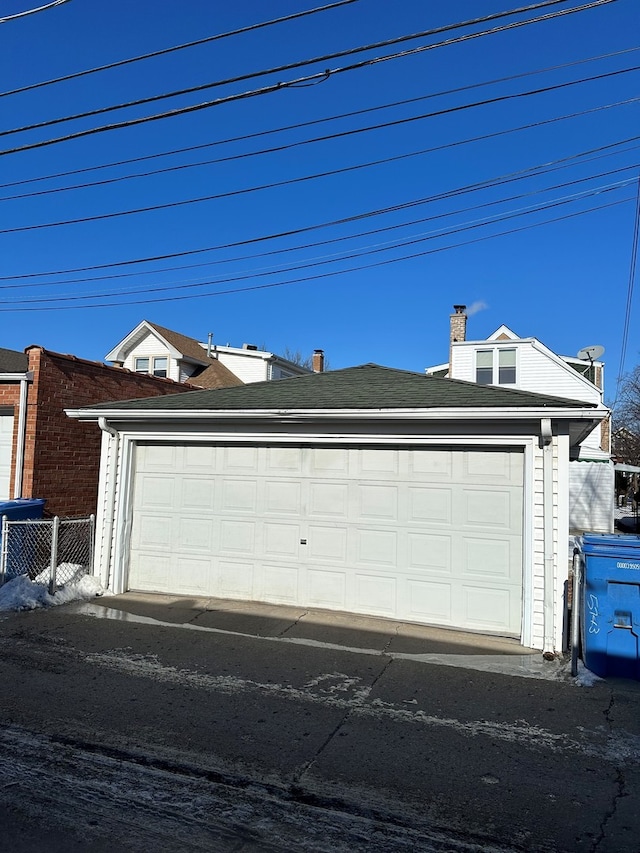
<point x="280" y="86"/>
<point x="167" y="50"/>
<point x="360" y="252"/>
<point x="328" y="137"/>
<point x="290" y="66"/>
<point x="24" y="14"/>
<point x="325" y="274"/>
<point x="531" y="171"/>
<point x="330" y="241"/>
<point x="630" y="286"/>
<point x="312" y="122"/>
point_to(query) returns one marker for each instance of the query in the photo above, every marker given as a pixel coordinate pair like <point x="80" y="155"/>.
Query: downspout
<point x="546" y="437"/>
<point x="22" y="433"/>
<point x="111" y="498"/>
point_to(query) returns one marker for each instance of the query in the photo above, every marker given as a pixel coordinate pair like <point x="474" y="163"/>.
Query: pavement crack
<point x="619" y="793"/>
<point x="298" y="776"/>
<point x="293" y="624"/>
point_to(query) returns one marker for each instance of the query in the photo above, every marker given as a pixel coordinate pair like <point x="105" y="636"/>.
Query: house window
<point x="506" y="367"/>
<point x="484" y="367"/>
<point x="496" y="364"/>
<point x="160" y="366"/>
<point x="157" y="366"/>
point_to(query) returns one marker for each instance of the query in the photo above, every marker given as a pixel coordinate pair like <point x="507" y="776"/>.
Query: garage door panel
<point x="194" y="534"/>
<point x="238" y="536"/>
<point x="238" y="496"/>
<point x="327" y="543"/>
<point x="428" y="551"/>
<point x="486" y="609"/>
<point x="430" y="506"/>
<point x="328" y="499"/>
<point x="423" y="534"/>
<point x="153" y="532"/>
<point x="327" y="588"/>
<point x="282" y="496"/>
<point x="6" y="454"/>
<point x="197" y="494"/>
<point x="281" y="583"/>
<point x="378" y="502"/>
<point x="234" y="578"/>
<point x="376" y="547"/>
<point x="428" y="601"/>
<point x="281" y="540"/>
<point x="375" y="593"/>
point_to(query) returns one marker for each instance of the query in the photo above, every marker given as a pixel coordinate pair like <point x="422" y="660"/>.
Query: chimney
<point x="457" y="329"/>
<point x="317" y="362"/>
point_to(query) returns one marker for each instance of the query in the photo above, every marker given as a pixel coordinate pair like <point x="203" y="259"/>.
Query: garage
<point x="6" y="454"/>
<point x="367" y="490"/>
<point x="418" y="534"/>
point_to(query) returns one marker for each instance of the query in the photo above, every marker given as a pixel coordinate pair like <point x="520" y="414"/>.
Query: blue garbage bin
<point x="611" y="604"/>
<point x="17" y="510"/>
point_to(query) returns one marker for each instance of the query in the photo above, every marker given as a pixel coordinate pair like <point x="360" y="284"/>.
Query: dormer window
<point x="155" y="366"/>
<point x="496" y="366"/>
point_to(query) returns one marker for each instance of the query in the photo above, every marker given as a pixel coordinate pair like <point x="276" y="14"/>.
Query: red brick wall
<point x="62" y="456"/>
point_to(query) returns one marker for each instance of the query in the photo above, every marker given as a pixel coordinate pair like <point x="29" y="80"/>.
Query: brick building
<point x="45" y="454"/>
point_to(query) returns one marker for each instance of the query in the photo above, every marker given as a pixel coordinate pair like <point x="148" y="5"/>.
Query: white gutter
<point x="546" y="437"/>
<point x="109" y="509"/>
<point x="460" y="413"/>
<point x="25" y="379"/>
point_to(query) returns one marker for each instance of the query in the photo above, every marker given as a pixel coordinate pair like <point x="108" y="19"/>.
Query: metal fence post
<point x="54" y="554"/>
<point x="3" y="551"/>
<point x="92" y="541"/>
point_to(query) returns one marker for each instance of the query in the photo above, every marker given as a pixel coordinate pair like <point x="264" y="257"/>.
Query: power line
<point x="24" y="14"/>
<point x="539" y="169"/>
<point x="328" y="137"/>
<point x="327" y="274"/>
<point x="356" y="253"/>
<point x="167" y="50"/>
<point x="343" y="238"/>
<point x="630" y="286"/>
<point x="279" y="69"/>
<point x="281" y="86"/>
<point x="337" y="117"/>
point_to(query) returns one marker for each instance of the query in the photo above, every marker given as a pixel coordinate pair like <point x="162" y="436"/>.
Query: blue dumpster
<point x="611" y="604"/>
<point x="22" y="552"/>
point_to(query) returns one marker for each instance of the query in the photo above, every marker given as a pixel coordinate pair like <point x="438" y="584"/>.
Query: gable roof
<point x="367" y="387"/>
<point x="12" y="361"/>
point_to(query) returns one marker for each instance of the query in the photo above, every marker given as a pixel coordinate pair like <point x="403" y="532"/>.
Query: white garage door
<point x="425" y="535"/>
<point x="6" y="450"/>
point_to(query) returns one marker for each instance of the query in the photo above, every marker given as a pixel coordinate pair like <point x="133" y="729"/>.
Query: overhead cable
<point x="325" y="274"/>
<point x="312" y="122"/>
<point x="329" y="137"/>
<point x="275" y="87"/>
<point x="167" y="50"/>
<point x="24" y="14"/>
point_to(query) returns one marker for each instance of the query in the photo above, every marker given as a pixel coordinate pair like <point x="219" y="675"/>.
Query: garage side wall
<point x="62" y="455"/>
<point x="9" y="400"/>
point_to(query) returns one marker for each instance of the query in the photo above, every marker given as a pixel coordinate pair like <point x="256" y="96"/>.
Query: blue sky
<point x="377" y="288"/>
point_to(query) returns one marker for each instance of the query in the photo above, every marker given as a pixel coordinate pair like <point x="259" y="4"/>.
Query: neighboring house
<point x="42" y="453"/>
<point x="150" y="348"/>
<point x="526" y="364"/>
<point x="368" y="490"/>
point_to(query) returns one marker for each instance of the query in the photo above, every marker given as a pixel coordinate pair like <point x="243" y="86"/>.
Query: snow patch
<point x="584" y="677"/>
<point x="23" y="594"/>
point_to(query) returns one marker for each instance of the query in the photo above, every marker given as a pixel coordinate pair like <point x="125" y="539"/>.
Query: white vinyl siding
<point x="432" y="535"/>
<point x="591" y="496"/>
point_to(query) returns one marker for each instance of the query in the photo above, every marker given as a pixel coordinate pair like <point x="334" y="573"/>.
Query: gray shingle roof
<point x="368" y="386"/>
<point x="12" y="361"/>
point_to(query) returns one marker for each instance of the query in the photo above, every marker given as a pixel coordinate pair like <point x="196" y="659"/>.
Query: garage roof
<point x="368" y="386"/>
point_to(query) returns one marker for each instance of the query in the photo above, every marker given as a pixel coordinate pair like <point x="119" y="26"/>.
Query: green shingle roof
<point x="368" y="386"/>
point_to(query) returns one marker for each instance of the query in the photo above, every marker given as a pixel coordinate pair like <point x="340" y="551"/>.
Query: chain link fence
<point x="50" y="551"/>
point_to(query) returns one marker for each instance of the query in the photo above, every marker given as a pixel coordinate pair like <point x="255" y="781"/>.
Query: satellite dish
<point x="591" y="353"/>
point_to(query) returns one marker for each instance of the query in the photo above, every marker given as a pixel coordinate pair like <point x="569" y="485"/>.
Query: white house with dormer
<point x="526" y="364"/>
<point x="153" y="349"/>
